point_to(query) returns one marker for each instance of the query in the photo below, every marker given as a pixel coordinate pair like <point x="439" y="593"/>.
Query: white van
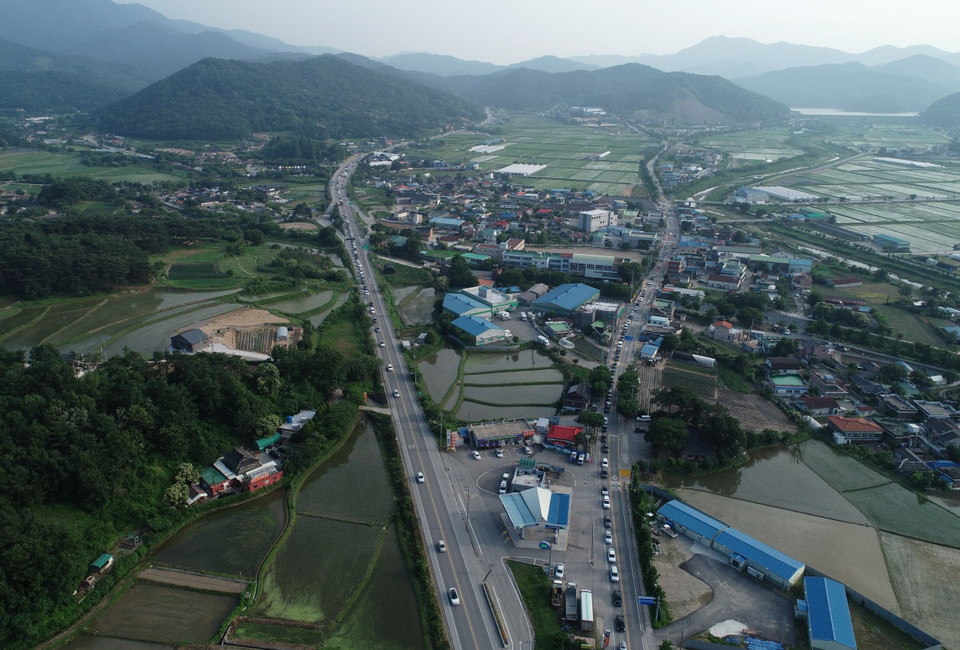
<point x="614" y="573"/>
<point x="503" y="487"/>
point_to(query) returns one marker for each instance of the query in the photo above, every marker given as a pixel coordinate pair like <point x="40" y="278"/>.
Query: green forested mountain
<point x="944" y="112"/>
<point x="53" y="91"/>
<point x="902" y="86"/>
<point x="625" y="89"/>
<point x="320" y="97"/>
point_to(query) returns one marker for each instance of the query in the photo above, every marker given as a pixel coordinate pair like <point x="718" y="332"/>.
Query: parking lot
<point x="583" y="549"/>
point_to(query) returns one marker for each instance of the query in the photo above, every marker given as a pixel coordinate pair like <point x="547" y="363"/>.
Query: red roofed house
<point x="847" y="430"/>
<point x="563" y="436"/>
<point x="723" y="331"/>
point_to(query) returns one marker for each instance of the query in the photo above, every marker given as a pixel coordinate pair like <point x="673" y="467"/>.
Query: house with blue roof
<point x="698" y="526"/>
<point x="759" y="560"/>
<point x="829" y="626"/>
<point x="476" y="331"/>
<point x="565" y="299"/>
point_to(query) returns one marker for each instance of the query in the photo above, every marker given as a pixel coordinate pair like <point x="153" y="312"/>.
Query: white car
<point x="475" y="454"/>
<point x="558" y="572"/>
<point x="611" y="555"/>
<point x="441" y="546"/>
<point x="604" y="463"/>
<point x="607" y="537"/>
<point x="382" y="344"/>
<point x="499" y="453"/>
<point x="420" y="478"/>
<point x="606" y="503"/>
<point x="614" y="573"/>
<point x="455" y="597"/>
<point x="389" y="367"/>
<point x="396" y="393"/>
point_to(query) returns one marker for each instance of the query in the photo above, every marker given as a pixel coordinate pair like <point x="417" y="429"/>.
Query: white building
<point x="593" y="220"/>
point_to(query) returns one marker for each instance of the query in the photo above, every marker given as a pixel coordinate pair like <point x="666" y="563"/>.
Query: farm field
<point x="702" y="384"/>
<point x="915" y="567"/>
<point x="840" y="471"/>
<point x="165" y="614"/>
<point x="571" y="153"/>
<point x="417" y="307"/>
<point x="849" y="552"/>
<point x="63" y="165"/>
<point x="776" y="477"/>
<point x="875" y="131"/>
<point x="754" y="412"/>
<point x="755" y="145"/>
<point x="895" y="509"/>
<point x="200" y="547"/>
<point x="305" y="303"/>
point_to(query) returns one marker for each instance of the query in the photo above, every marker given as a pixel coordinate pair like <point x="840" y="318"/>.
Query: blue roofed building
<point x="891" y="242"/>
<point x="460" y="304"/>
<point x="537" y="508"/>
<point x="829" y="626"/>
<point x="447" y="223"/>
<point x="476" y="331"/>
<point x="758" y="559"/>
<point x="689" y="521"/>
<point x="565" y="299"/>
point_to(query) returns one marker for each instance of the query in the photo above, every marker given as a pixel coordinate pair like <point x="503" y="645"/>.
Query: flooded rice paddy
<point x="543" y="376"/>
<point x="418" y="308"/>
<point x="439" y="371"/>
<point x="492" y="362"/>
<point x="317" y="319"/>
<point x="165" y="614"/>
<point x="304" y="303"/>
<point x="212" y="544"/>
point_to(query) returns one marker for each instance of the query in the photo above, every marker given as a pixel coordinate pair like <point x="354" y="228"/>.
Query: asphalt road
<point x="440" y="502"/>
<point x="453" y="504"/>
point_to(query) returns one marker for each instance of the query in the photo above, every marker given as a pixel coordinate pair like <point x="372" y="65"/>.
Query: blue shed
<point x="759" y="560"/>
<point x="828" y="613"/>
<point x="691" y="522"/>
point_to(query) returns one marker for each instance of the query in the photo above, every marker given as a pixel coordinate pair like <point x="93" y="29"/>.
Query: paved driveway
<point x="736" y="596"/>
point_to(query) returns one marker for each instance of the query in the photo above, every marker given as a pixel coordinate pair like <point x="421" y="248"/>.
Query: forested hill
<point x="624" y="89"/>
<point x="944" y="112"/>
<point x="319" y="97"/>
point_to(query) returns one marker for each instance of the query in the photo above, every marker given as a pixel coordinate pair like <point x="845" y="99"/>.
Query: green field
<point x="755" y="145"/>
<point x="534" y="587"/>
<point x="703" y="385"/>
<point x="896" y="509"/>
<point x="840" y="471"/>
<point x="64" y="165"/>
<point x="571" y="153"/>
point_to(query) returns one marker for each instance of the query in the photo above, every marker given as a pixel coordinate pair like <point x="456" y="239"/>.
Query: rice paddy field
<point x="895" y="132"/>
<point x="921" y="205"/>
<point x="64" y="165"/>
<point x="756" y="145"/>
<point x="573" y="153"/>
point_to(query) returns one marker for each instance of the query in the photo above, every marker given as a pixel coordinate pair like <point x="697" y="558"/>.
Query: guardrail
<point x="501" y="627"/>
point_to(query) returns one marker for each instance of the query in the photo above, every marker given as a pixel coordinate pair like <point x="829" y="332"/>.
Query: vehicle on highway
<point x="389" y="367"/>
<point x="620" y="624"/>
<point x="606" y="502"/>
<point x="604" y="491"/>
<point x="617" y="598"/>
<point x="420" y="478"/>
<point x="607" y="537"/>
<point x="612" y="555"/>
<point x="623" y="645"/>
<point x="558" y="572"/>
<point x="604" y="463"/>
<point x="454" y="596"/>
<point x="382" y="344"/>
<point x="614" y="573"/>
<point x="441" y="546"/>
<point x="604" y="474"/>
<point x="396" y="393"/>
<point x="475" y="454"/>
<point x="607" y="521"/>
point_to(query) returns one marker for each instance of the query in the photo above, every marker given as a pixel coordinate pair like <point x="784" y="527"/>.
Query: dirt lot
<point x="754" y="412"/>
<point x="927" y="579"/>
<point x="246" y="324"/>
<point x="850" y="553"/>
<point x="299" y="225"/>
<point x="193" y="580"/>
<point x="685" y="593"/>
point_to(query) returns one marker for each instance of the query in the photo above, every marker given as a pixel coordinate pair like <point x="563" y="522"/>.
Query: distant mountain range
<point x="79" y="54"/>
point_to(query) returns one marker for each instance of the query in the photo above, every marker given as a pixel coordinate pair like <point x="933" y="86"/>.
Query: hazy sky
<point x="507" y="31"/>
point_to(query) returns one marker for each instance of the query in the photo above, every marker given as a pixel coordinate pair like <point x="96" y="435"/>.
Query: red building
<point x="262" y="477"/>
<point x="563" y="436"/>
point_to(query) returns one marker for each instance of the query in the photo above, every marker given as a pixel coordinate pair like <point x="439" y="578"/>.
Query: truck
<point x="543" y="340"/>
<point x="586" y="611"/>
<point x="556" y="593"/>
<point x="572" y="611"/>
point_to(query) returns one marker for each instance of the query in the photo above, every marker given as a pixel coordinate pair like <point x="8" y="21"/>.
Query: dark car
<point x="603" y="438"/>
<point x="620" y="625"/>
<point x="607" y="521"/>
<point x="617" y="598"/>
<point x="604" y="474"/>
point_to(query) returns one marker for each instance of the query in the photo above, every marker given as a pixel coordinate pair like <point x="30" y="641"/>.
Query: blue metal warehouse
<point x="828" y="613"/>
<point x="691" y="522"/>
<point x="759" y="560"/>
